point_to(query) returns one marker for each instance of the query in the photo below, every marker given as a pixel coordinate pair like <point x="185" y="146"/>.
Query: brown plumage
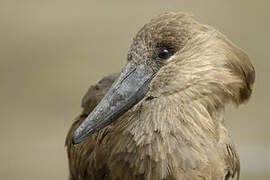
<point x="176" y="130"/>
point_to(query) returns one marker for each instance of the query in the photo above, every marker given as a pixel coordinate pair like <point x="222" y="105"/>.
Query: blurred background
<point x="51" y="51"/>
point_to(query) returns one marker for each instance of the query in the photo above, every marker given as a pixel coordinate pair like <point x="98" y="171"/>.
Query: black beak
<point x="127" y="90"/>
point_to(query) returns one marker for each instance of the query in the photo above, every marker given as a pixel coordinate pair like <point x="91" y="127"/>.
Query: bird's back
<point x="81" y="157"/>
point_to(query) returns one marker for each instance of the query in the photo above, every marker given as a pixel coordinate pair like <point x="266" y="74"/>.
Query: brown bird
<point x="162" y="117"/>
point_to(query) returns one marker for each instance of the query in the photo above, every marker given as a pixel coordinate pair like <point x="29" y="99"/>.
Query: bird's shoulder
<point x="81" y="156"/>
<point x="229" y="154"/>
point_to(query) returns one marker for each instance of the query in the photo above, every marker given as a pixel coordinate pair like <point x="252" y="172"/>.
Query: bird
<point x="162" y="116"/>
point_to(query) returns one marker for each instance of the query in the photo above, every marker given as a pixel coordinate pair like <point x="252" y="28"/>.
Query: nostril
<point x="149" y="98"/>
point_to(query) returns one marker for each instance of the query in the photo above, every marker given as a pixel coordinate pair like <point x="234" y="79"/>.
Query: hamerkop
<point x="163" y="115"/>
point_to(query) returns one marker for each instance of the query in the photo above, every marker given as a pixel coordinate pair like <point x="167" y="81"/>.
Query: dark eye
<point x="164" y="54"/>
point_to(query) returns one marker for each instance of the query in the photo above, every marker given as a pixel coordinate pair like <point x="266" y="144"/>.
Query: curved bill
<point x="127" y="90"/>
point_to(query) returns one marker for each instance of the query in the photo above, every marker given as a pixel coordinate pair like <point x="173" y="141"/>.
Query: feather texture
<point x="179" y="133"/>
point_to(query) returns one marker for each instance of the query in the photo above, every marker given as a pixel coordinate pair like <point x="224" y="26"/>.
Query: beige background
<point x="51" y="51"/>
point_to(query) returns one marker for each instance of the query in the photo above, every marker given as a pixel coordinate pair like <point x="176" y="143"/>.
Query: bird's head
<point x="174" y="54"/>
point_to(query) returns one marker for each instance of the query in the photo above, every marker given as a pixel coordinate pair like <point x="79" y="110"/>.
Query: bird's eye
<point x="164" y="54"/>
